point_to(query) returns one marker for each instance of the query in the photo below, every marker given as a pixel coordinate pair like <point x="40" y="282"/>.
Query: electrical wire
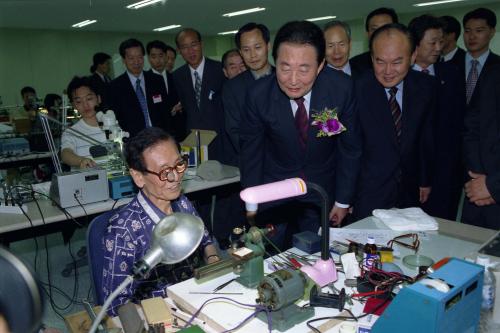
<point x="258" y="308"/>
<point x="72" y="300"/>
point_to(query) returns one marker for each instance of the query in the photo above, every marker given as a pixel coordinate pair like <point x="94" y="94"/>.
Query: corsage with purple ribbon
<point x="328" y="123"/>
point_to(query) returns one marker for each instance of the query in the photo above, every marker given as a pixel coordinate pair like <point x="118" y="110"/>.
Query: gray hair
<point x="337" y="23"/>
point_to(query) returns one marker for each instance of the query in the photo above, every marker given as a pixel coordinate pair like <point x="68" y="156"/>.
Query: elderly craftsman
<point x="157" y="169"/>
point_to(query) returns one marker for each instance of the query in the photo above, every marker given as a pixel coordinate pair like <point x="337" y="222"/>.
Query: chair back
<point x="96" y="251"/>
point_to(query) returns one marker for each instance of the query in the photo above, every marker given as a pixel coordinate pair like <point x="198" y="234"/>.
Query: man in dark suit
<point x="396" y="106"/>
<point x="252" y="40"/>
<point x="338" y="47"/>
<point x="479" y="29"/>
<point x="451" y="52"/>
<point x="375" y="19"/>
<point x="157" y="56"/>
<point x="100" y="69"/>
<point x="482" y="155"/>
<point x="138" y="98"/>
<point x="278" y="139"/>
<point x="199" y="84"/>
<point x="449" y="117"/>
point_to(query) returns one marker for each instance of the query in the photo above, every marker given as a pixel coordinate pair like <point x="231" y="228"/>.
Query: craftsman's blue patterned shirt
<point x="128" y="238"/>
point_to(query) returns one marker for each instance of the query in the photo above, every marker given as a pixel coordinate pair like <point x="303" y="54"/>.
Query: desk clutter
<point x="377" y="297"/>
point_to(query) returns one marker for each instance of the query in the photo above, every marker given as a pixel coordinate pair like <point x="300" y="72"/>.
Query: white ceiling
<point x="205" y="15"/>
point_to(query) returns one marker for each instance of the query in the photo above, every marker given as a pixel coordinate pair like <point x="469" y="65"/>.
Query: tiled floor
<point x="59" y="256"/>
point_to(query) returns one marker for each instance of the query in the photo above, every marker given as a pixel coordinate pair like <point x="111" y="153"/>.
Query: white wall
<point x="48" y="59"/>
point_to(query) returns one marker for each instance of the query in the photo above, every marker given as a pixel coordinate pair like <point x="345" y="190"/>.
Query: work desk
<point x="452" y="239"/>
<point x="51" y="214"/>
<point x="32" y="158"/>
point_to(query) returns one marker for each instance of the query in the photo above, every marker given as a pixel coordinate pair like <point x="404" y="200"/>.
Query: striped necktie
<point x="197" y="88"/>
<point x="396" y="111"/>
<point x="142" y="102"/>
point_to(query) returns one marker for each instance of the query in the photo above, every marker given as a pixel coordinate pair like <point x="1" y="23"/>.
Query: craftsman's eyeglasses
<point x="168" y="173"/>
<point x="414" y="243"/>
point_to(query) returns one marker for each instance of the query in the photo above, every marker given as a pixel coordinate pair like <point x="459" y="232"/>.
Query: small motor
<point x="279" y="291"/>
<point x="281" y="288"/>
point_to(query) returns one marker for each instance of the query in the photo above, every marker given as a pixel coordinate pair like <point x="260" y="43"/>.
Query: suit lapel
<point x="382" y="115"/>
<point x="411" y="103"/>
<point x="319" y="101"/>
<point x="285" y="118"/>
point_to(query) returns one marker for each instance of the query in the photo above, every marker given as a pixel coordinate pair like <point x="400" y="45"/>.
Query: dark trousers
<point x="485" y="216"/>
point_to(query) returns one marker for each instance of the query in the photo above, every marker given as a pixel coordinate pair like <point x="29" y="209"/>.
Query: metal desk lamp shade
<point x="175" y="238"/>
<point x="20" y="295"/>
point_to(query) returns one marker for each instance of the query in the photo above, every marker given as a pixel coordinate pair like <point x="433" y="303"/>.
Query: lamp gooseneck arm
<point x="325" y="228"/>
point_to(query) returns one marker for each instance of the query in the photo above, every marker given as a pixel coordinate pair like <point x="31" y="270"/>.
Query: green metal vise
<point x="246" y="259"/>
<point x="251" y="271"/>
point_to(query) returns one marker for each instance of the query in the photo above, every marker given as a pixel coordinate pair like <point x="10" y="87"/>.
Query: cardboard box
<point x="190" y="147"/>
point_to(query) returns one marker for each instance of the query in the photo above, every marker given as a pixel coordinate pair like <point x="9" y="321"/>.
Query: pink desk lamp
<point x="323" y="271"/>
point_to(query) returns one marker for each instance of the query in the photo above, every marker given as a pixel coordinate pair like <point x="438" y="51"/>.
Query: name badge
<point x="156" y="98"/>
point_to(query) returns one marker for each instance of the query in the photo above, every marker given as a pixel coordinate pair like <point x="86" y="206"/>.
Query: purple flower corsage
<point x="328" y="123"/>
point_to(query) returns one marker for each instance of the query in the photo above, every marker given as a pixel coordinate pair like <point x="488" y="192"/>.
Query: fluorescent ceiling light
<point x="232" y="32"/>
<point x="168" y="27"/>
<point x="83" y="23"/>
<point x="243" y="12"/>
<point x="422" y="4"/>
<point x="143" y="3"/>
<point x="321" y="18"/>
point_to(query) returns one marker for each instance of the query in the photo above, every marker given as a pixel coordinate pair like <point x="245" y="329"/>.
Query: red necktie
<point x="301" y="122"/>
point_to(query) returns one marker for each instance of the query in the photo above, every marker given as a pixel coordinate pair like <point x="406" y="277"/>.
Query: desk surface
<point x="221" y="314"/>
<point x="51" y="214"/>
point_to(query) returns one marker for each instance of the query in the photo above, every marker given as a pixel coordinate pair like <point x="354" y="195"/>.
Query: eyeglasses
<point x="168" y="173"/>
<point x="414" y="245"/>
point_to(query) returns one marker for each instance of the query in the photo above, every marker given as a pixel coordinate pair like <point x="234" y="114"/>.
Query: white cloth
<point x="79" y="144"/>
<point x="407" y="219"/>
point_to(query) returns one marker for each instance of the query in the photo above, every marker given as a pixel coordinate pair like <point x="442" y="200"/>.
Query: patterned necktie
<point x="396" y="111"/>
<point x="301" y="122"/>
<point x="470" y="84"/>
<point x="197" y="88"/>
<point x="142" y="102"/>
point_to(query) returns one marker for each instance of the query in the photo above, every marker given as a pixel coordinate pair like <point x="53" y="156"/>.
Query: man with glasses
<point x="157" y="169"/>
<point x="199" y="84"/>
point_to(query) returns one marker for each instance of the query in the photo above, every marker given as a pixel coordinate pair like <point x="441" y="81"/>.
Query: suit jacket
<point x="234" y="93"/>
<point x="361" y="63"/>
<point x="482" y="148"/>
<point x="101" y="89"/>
<point x="449" y="118"/>
<point x="178" y="128"/>
<point x="209" y="115"/>
<point x="458" y="59"/>
<point x="392" y="173"/>
<point x="482" y="132"/>
<point x="492" y="60"/>
<point x="128" y="110"/>
<point x="270" y="148"/>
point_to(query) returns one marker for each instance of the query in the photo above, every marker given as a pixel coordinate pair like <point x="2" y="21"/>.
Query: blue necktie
<point x="142" y="102"/>
<point x="197" y="88"/>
